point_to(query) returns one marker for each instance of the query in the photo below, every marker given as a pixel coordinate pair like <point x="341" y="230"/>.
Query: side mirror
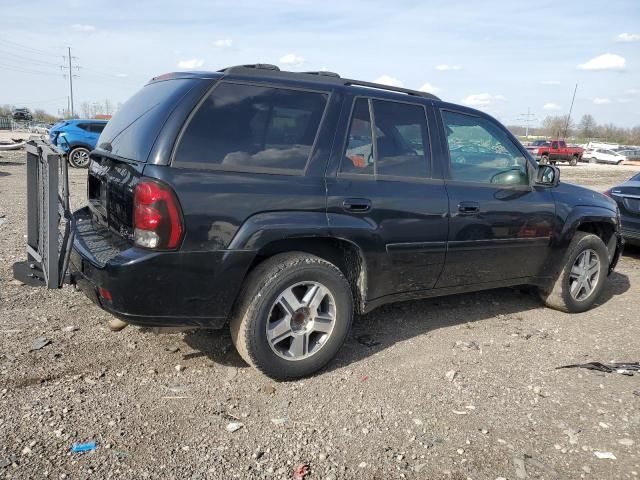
<point x="548" y="176"/>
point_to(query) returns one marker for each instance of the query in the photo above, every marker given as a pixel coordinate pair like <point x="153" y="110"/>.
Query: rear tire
<point x="593" y="160"/>
<point x="573" y="161"/>
<point x="284" y="329"/>
<point x="582" y="278"/>
<point x="79" y="157"/>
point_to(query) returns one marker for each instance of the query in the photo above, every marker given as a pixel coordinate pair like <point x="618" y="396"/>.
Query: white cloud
<point x="78" y="27"/>
<point x="550" y="82"/>
<point x="292" y="59"/>
<point x="192" y="63"/>
<point x="628" y="37"/>
<point x="607" y="61"/>
<point x="624" y="100"/>
<point x="632" y="91"/>
<point x="427" y="87"/>
<point x="389" y="80"/>
<point x="223" y="43"/>
<point x="601" y="101"/>
<point x="551" y="106"/>
<point x="481" y="99"/>
<point x="444" y="67"/>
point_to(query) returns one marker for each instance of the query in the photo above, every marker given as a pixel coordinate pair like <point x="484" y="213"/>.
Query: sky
<point x="505" y="57"/>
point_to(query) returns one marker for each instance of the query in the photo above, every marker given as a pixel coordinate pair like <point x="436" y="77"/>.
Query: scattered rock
<point x="605" y="455"/>
<point x="179" y="368"/>
<point x="15" y="282"/>
<point x="362" y="465"/>
<point x="572" y="433"/>
<point x="521" y="471"/>
<point x="5" y="462"/>
<point x="173" y="349"/>
<point x="627" y="442"/>
<point x="586" y="469"/>
<point x="116" y="325"/>
<point x="279" y="421"/>
<point x="472" y="345"/>
<point x="234" y="426"/>
<point x="231" y="373"/>
<point x="268" y="389"/>
<point x="70" y="328"/>
<point x="40" y="343"/>
<point x="367" y="340"/>
<point x="451" y="375"/>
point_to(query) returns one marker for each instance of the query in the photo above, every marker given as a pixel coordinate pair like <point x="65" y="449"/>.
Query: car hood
<point x="574" y="195"/>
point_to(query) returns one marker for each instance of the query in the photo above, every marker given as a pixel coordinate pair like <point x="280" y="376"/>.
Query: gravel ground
<point x="457" y="387"/>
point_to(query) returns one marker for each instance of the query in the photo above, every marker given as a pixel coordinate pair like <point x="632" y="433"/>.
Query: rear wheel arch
<point x="345" y="255"/>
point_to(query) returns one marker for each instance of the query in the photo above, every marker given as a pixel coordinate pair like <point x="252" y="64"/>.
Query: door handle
<point x="359" y="205"/>
<point x="468" y="208"/>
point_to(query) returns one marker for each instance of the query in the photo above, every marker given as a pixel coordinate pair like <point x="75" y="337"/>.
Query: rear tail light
<point x="157" y="217"/>
<point x="607" y="193"/>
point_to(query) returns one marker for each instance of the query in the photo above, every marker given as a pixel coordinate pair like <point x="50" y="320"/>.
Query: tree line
<point x="87" y="110"/>
<point x="585" y="130"/>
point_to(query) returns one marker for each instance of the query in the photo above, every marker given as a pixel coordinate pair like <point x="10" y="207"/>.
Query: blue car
<point x="77" y="138"/>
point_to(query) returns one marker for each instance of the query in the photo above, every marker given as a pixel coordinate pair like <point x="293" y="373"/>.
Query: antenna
<point x="566" y="126"/>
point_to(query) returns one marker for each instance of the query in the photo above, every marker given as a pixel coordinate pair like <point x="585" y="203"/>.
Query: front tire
<point x="573" y="161"/>
<point x="293" y="315"/>
<point x="582" y="278"/>
<point x="79" y="157"/>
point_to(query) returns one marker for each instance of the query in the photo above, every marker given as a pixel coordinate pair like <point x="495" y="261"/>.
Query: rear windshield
<point x="132" y="131"/>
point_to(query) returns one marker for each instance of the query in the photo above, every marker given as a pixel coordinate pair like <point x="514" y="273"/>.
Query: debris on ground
<point x="451" y="375"/>
<point x="40" y="343"/>
<point x="301" y="471"/>
<point x="234" y="426"/>
<point x="115" y="324"/>
<point x="367" y="340"/>
<point x="84" y="447"/>
<point x="623" y="368"/>
<point x="606" y="455"/>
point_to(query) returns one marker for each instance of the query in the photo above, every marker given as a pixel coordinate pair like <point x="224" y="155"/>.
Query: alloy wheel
<point x="301" y="320"/>
<point x="584" y="275"/>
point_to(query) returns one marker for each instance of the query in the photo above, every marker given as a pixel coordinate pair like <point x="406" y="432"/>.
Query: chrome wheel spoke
<point x="323" y="324"/>
<point x="279" y="330"/>
<point x="299" y="346"/>
<point x="314" y="296"/>
<point x="289" y="301"/>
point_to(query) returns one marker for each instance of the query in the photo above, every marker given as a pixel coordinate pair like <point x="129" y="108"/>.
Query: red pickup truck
<point x="552" y="151"/>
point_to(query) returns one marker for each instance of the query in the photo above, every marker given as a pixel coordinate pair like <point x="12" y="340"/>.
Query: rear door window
<point x="400" y="146"/>
<point x="250" y="127"/>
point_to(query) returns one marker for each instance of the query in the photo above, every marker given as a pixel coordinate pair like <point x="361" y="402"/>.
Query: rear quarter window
<point x="133" y="130"/>
<point x="249" y="127"/>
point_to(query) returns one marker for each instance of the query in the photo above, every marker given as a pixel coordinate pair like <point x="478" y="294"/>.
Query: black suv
<point x="281" y="203"/>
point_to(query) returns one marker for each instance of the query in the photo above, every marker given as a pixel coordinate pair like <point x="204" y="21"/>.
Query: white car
<point x="603" y="155"/>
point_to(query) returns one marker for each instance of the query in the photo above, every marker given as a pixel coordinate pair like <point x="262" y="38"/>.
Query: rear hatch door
<point x="124" y="148"/>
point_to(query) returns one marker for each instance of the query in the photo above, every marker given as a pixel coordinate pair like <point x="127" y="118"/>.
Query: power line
<point x="24" y="70"/>
<point x="18" y="58"/>
<point x="20" y="46"/>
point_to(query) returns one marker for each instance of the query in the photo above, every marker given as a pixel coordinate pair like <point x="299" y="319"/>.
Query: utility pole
<point x="527" y="118"/>
<point x="566" y="126"/>
<point x="70" y="67"/>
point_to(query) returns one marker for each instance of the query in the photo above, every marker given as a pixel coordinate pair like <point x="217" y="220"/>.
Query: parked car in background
<point x="22" y="115"/>
<point x="631" y="154"/>
<point x="603" y="155"/>
<point x="553" y="151"/>
<point x="627" y="196"/>
<point x="280" y="203"/>
<point x="77" y="138"/>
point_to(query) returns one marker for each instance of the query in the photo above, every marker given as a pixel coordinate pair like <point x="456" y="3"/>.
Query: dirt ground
<point x="462" y="387"/>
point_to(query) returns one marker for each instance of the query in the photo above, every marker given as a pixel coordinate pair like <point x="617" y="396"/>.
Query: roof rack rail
<point x="323" y="73"/>
<point x="378" y="86"/>
<point x="257" y="66"/>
